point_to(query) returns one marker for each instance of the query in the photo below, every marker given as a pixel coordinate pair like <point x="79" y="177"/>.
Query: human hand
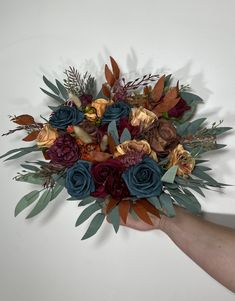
<point x="140" y="225"/>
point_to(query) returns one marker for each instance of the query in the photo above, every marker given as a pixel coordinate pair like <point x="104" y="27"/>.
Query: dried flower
<point x="46" y="136"/>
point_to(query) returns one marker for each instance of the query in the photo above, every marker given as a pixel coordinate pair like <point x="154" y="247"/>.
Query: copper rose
<point x="46" y="136"/>
<point x="141" y="146"/>
<point x="162" y="137"/>
<point x="142" y="117"/>
<point x="181" y="157"/>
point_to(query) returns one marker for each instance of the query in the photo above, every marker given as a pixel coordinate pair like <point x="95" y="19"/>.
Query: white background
<point x="43" y="258"/>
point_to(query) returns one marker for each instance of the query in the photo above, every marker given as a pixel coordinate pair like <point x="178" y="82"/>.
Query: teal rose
<point x="79" y="181"/>
<point x="115" y="112"/>
<point x="144" y="179"/>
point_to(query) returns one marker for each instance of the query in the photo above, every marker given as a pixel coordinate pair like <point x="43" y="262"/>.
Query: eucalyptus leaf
<point x="50" y="85"/>
<point x="112" y="130"/>
<point x="114" y="218"/>
<point x="166" y="202"/>
<point x="169" y="175"/>
<point x="86" y="213"/>
<point x="126" y="136"/>
<point x="155" y="202"/>
<point x="189" y="203"/>
<point x="182" y="129"/>
<point x="204" y="176"/>
<point x="94" y="225"/>
<point x="30" y="167"/>
<point x="32" y="178"/>
<point x="56" y="97"/>
<point x="42" y="203"/>
<point x="195" y="125"/>
<point x="21" y="149"/>
<point x="189" y="113"/>
<point x="62" y="89"/>
<point x="190" y="97"/>
<point x="56" y="190"/>
<point x="86" y="201"/>
<point x="26" y="200"/>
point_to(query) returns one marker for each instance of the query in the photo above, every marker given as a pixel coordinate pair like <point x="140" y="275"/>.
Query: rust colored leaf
<point x="169" y="101"/>
<point x="124" y="209"/>
<point x="23" y="119"/>
<point x="111" y="204"/>
<point x="158" y="89"/>
<point x="32" y="136"/>
<point x="116" y="70"/>
<point x="99" y="156"/>
<point x="142" y="213"/>
<point x="112" y="146"/>
<point x="172" y="93"/>
<point x="46" y="156"/>
<point x="106" y="90"/>
<point x="109" y="76"/>
<point x="149" y="207"/>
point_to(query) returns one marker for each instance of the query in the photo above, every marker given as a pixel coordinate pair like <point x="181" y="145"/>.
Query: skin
<point x="209" y="245"/>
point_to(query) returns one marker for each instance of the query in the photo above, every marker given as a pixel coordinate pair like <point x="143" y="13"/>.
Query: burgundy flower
<point x="121" y="125"/>
<point x="85" y="99"/>
<point x="179" y="109"/>
<point x="108" y="179"/>
<point x="64" y="151"/>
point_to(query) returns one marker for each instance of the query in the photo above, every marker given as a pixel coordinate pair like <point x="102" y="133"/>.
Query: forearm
<point x="210" y="245"/>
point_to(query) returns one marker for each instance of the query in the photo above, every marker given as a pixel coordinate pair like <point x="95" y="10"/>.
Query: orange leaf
<point x="99" y="156"/>
<point x="112" y="203"/>
<point x="109" y="76"/>
<point x="166" y="105"/>
<point x="23" y="119"/>
<point x="149" y="207"/>
<point x="124" y="209"/>
<point x="142" y="213"/>
<point x="106" y="91"/>
<point x="32" y="136"/>
<point x="116" y="70"/>
<point x="158" y="89"/>
<point x="112" y="146"/>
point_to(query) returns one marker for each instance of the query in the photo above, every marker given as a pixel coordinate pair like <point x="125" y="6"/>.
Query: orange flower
<point x="46" y="136"/>
<point x="181" y="157"/>
<point x="91" y="152"/>
<point x="142" y="117"/>
<point x="132" y="145"/>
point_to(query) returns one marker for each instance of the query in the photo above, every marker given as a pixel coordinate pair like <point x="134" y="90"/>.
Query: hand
<point x="140" y="225"/>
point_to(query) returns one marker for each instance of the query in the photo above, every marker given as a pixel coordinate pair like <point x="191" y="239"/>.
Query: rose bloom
<point x="47" y="136"/>
<point x="133" y="145"/>
<point x="100" y="105"/>
<point x="163" y="137"/>
<point x="181" y="157"/>
<point x="142" y="117"/>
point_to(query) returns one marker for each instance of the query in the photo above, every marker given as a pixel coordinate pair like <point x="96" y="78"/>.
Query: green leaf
<point x="189" y="113"/>
<point x="56" y="97"/>
<point x="169" y="175"/>
<point x="21" y="149"/>
<point x="56" y="190"/>
<point x="221" y="130"/>
<point x="190" y="97"/>
<point x="112" y="130"/>
<point x="94" y="225"/>
<point x="32" y="178"/>
<point x="126" y="136"/>
<point x="53" y="108"/>
<point x="86" y="213"/>
<point x="114" y="218"/>
<point x="50" y="85"/>
<point x="182" y="128"/>
<point x="155" y="202"/>
<point x="101" y="95"/>
<point x="167" y="81"/>
<point x="62" y="89"/>
<point x="30" y="167"/>
<point x="166" y="202"/>
<point x="188" y="202"/>
<point x="86" y="201"/>
<point x="195" y="125"/>
<point x="42" y="203"/>
<point x="187" y="183"/>
<point x="204" y="176"/>
<point x="26" y="200"/>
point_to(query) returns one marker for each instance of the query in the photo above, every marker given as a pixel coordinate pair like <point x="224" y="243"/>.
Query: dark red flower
<point x="85" y="99"/>
<point x="108" y="179"/>
<point x="179" y="109"/>
<point x="64" y="151"/>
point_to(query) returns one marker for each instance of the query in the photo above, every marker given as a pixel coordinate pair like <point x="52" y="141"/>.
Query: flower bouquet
<point x="130" y="149"/>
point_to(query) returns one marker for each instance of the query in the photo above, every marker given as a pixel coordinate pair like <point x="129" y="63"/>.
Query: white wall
<point x="43" y="258"/>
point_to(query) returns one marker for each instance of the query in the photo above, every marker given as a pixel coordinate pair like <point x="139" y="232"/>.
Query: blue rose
<point x="144" y="179"/>
<point x="65" y="116"/>
<point x="116" y="111"/>
<point x="79" y="181"/>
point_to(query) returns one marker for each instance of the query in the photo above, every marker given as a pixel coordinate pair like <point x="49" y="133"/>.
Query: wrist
<point x="166" y="222"/>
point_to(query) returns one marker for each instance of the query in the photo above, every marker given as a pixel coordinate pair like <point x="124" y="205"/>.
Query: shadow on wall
<point x="227" y="220"/>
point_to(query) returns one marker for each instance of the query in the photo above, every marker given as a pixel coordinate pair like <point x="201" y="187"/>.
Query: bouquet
<point x="130" y="149"/>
